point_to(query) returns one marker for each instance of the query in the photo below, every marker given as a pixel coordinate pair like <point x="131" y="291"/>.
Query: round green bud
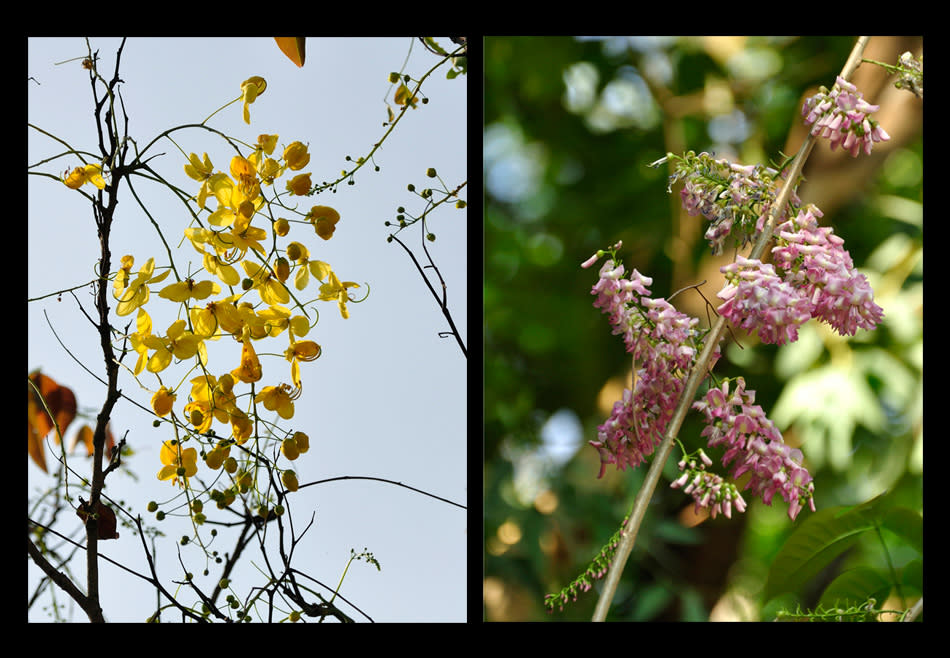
<point x="152" y="506"/>
<point x="430" y="172"/>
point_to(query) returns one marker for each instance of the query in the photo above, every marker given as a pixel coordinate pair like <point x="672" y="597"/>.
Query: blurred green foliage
<point x="570" y="127"/>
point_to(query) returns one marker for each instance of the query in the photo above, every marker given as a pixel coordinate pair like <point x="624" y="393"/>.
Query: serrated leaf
<point x="821" y="538"/>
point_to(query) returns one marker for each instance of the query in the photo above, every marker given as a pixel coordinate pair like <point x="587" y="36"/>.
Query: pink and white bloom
<point x="754" y="446"/>
<point x="842" y="117"/>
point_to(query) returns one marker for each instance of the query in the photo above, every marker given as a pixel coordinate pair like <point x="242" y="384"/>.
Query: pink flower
<point x="813" y="258"/>
<point x="754" y="446"/>
<point x="757" y="299"/>
<point x="664" y="343"/>
<point x="841" y="116"/>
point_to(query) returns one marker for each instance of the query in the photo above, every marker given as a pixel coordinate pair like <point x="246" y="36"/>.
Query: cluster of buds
<point x="734" y="198"/>
<point x="842" y="117"/>
<point x="911" y="74"/>
<point x="709" y="490"/>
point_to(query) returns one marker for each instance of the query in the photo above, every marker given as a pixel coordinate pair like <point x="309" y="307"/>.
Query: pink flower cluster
<point x="709" y="490"/>
<point x="734" y="198"/>
<point x="813" y="259"/>
<point x="756" y="298"/>
<point x="811" y="276"/>
<point x="663" y="343"/>
<point x="755" y="447"/>
<point x="842" y="116"/>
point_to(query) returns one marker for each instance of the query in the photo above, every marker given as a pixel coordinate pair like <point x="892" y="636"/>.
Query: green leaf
<point x="906" y="524"/>
<point x="818" y="540"/>
<point x="856" y="586"/>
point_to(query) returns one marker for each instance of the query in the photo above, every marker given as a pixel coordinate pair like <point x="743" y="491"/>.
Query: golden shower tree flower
<point x="324" y="220"/>
<point x="202" y="171"/>
<point x="216" y="456"/>
<point x="122" y="276"/>
<point x="305" y="350"/>
<point x="280" y="399"/>
<point x="272" y="291"/>
<point x="299" y="185"/>
<point x="189" y="289"/>
<point x="335" y="290"/>
<point x="221" y="269"/>
<point x="178" y="462"/>
<point x="90" y="173"/>
<point x="296" y="156"/>
<point x="162" y="401"/>
<point x="250" y="90"/>
<point x="137" y="292"/>
<point x="245" y="174"/>
<point x="250" y="369"/>
<point x="179" y="343"/>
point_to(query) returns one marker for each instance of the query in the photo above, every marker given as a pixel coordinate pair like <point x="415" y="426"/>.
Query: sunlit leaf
<point x="61" y="403"/>
<point x="294" y="47"/>
<point x="821" y="538"/>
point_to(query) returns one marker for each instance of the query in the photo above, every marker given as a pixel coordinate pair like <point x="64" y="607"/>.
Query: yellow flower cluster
<point x="242" y="292"/>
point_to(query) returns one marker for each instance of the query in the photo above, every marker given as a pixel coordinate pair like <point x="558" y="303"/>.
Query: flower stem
<point x="698" y="373"/>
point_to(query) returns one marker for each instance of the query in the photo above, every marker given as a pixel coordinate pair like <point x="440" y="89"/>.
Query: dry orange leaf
<point x="294" y="47"/>
<point x="85" y="435"/>
<point x="61" y="402"/>
<point x="106" y="520"/>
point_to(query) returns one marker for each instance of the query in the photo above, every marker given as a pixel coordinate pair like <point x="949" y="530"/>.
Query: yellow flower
<point x="187" y="289"/>
<point x="222" y="269"/>
<point x="296" y="156"/>
<point x="276" y="319"/>
<point x="289" y="478"/>
<point x="303" y="442"/>
<point x="250" y="369"/>
<point x="279" y="398"/>
<point x="178" y="463"/>
<point x="299" y="184"/>
<point x="91" y="173"/>
<point x="202" y="171"/>
<point x="198" y="413"/>
<point x="305" y="350"/>
<point x="335" y="290"/>
<point x="250" y="90"/>
<point x="162" y="401"/>
<point x="272" y="291"/>
<point x="122" y="276"/>
<point x="267" y="143"/>
<point x="241" y="426"/>
<point x="246" y="176"/>
<point x="215" y="457"/>
<point x="324" y="220"/>
<point x="179" y="343"/>
<point x="136" y="294"/>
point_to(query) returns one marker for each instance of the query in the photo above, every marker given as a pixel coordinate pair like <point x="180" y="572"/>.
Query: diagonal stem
<point x="629" y="535"/>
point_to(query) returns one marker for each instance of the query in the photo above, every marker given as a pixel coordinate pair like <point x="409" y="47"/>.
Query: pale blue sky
<point x="387" y="398"/>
